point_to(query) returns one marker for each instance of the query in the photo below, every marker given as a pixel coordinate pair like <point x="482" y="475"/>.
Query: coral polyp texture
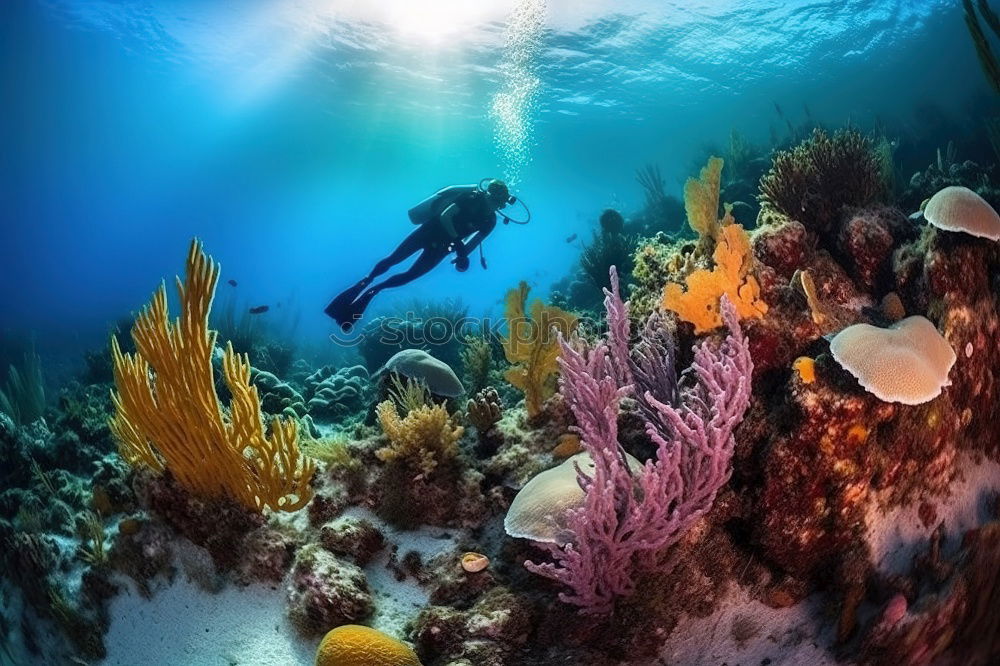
<point x="168" y="415"/>
<point x="356" y="645"/>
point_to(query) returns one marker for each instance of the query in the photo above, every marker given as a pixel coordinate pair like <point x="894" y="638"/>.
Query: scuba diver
<point x="455" y="220"/>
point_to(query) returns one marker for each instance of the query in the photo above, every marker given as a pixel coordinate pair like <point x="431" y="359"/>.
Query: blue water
<point x="293" y="136"/>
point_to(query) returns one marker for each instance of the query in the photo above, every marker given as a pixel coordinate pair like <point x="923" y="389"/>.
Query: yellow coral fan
<point x="701" y="199"/>
<point x="355" y="645"/>
<point x="167" y="412"/>
<point x="532" y="346"/>
<point x="424" y="438"/>
<point x="699" y="304"/>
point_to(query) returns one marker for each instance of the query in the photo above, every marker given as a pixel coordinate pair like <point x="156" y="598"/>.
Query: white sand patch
<point x="183" y="624"/>
<point x="897" y="535"/>
<point x="398" y="602"/>
<point x="187" y="622"/>
<point x="745" y="631"/>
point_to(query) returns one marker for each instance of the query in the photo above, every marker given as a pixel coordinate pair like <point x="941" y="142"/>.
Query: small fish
<point x="259" y="309"/>
<point x="571" y="238"/>
<point x="232" y="282"/>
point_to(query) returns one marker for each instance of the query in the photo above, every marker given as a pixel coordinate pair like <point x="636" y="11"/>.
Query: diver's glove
<point x="461" y="263"/>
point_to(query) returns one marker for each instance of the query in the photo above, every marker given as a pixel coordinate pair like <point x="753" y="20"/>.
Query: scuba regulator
<point x="484" y="187"/>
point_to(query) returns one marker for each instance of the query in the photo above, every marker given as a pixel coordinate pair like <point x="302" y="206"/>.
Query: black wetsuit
<point x="475" y="217"/>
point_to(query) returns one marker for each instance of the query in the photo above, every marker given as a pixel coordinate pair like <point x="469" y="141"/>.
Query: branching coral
<point x="409" y="394"/>
<point x="699" y="303"/>
<point x="814" y="181"/>
<point x="423" y="439"/>
<point x="477" y="362"/>
<point x="533" y="346"/>
<point x="167" y="411"/>
<point x="629" y="517"/>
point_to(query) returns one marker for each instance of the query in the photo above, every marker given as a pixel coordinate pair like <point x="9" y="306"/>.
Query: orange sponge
<point x="355" y="645"/>
<point x="699" y="304"/>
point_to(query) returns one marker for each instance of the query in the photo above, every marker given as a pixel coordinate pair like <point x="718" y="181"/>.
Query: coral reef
<point x="833" y="500"/>
<point x="484" y="411"/>
<point x="278" y="397"/>
<point x="477" y="363"/>
<point x="355" y="645"/>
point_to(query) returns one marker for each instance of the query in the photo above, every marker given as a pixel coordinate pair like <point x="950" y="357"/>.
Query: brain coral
<point x="907" y="363"/>
<point x="355" y="645"/>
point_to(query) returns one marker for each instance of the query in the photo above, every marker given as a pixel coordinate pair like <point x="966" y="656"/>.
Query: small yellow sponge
<point x="355" y="645"/>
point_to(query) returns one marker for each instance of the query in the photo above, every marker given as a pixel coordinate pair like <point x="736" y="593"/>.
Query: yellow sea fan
<point x="532" y="346"/>
<point x="701" y="200"/>
<point x="167" y="411"/>
<point x="425" y="437"/>
<point x="699" y="302"/>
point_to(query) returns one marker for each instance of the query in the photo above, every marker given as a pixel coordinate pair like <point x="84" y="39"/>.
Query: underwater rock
<point x="955" y="621"/>
<point x="220" y="525"/>
<point x="957" y="279"/>
<point x="782" y="244"/>
<point x="488" y="633"/>
<point x="266" y="555"/>
<point x="867" y="238"/>
<point x="355" y="538"/>
<point x="144" y="554"/>
<point x="81" y="426"/>
<point x="325" y="592"/>
<point x="453" y="497"/>
<point x="451" y="584"/>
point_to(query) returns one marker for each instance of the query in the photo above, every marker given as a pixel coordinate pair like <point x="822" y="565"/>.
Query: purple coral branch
<point x="629" y="517"/>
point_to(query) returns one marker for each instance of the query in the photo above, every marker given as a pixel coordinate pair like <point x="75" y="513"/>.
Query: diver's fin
<point x="343" y="300"/>
<point x="348" y="315"/>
